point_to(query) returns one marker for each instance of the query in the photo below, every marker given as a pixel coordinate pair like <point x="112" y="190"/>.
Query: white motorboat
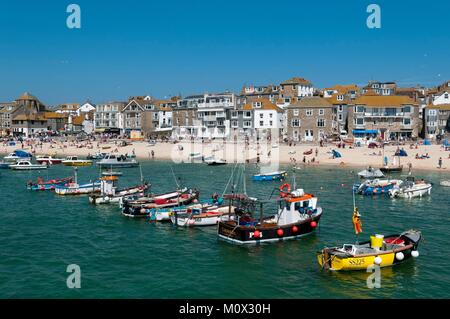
<point x="203" y="217"/>
<point x="112" y="160"/>
<point x="371" y="173"/>
<point x="17" y="155"/>
<point x="445" y="183"/>
<point x="411" y="189"/>
<point x="25" y="165"/>
<point x="48" y="160"/>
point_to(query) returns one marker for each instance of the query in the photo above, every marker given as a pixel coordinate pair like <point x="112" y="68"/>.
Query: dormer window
<point x="446" y="96"/>
<point x="340" y="98"/>
<point x="257" y="104"/>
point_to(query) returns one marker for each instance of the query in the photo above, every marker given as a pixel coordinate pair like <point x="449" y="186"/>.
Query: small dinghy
<point x="41" y="185"/>
<point x="25" y="165"/>
<point x="383" y="251"/>
<point x="371" y="173"/>
<point x="208" y="215"/>
<point x="273" y="176"/>
<point x="411" y="189"/>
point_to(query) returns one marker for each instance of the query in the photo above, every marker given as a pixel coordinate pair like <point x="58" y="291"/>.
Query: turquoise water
<point x="41" y="233"/>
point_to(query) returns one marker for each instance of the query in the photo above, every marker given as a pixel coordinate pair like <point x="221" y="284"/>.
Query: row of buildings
<point x="298" y="110"/>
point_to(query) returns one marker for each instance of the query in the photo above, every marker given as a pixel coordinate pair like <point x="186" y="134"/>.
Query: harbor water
<point x="42" y="233"/>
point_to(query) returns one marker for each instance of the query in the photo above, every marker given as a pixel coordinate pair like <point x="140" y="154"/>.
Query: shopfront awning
<point x="365" y="132"/>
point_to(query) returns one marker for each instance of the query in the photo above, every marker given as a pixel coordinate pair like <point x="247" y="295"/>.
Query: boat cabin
<point x="295" y="206"/>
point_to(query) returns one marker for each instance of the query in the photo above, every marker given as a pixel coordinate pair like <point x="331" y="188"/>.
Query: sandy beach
<point x="237" y="152"/>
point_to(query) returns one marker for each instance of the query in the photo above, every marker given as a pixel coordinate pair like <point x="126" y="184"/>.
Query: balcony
<point x="221" y="115"/>
<point x="384" y="114"/>
<point x="209" y="118"/>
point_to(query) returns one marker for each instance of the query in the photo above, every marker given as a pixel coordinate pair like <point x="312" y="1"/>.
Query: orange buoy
<point x="280" y="232"/>
<point x="313" y="224"/>
<point x="256" y="234"/>
<point x="294" y="229"/>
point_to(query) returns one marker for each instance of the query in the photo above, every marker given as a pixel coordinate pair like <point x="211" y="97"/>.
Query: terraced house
<point x="437" y="113"/>
<point x="388" y="117"/>
<point x="213" y="115"/>
<point x="184" y="116"/>
<point x="310" y="119"/>
<point x="6" y="112"/>
<point x="107" y="118"/>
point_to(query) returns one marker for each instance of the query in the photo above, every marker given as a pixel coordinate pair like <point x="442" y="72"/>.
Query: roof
<point x="78" y="120"/>
<point x="311" y="102"/>
<point x="296" y="80"/>
<point x="440" y="107"/>
<point x="384" y="100"/>
<point x="266" y="105"/>
<point x="30" y="117"/>
<point x="343" y="89"/>
<point x="27" y="96"/>
<point x="334" y="99"/>
<point x="54" y="115"/>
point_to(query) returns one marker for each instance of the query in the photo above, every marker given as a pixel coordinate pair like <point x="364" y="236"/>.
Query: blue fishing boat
<point x="41" y="185"/>
<point x="273" y="176"/>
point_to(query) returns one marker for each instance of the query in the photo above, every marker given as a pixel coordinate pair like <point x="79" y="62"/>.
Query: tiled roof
<point x="440" y="107"/>
<point x="311" y="102"/>
<point x="265" y="105"/>
<point x="384" y="100"/>
<point x="296" y="80"/>
<point x="27" y="96"/>
<point x="30" y="117"/>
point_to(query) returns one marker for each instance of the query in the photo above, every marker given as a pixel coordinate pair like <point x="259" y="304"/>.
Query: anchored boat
<point x="298" y="215"/>
<point x="122" y="161"/>
<point x="26" y="165"/>
<point x="18" y="155"/>
<point x="75" y="161"/>
<point x="48" y="160"/>
<point x="145" y="205"/>
<point x="41" y="185"/>
<point x="381" y="250"/>
<point x="78" y="189"/>
<point x="411" y="189"/>
<point x="273" y="176"/>
<point x="376" y="186"/>
<point x="110" y="193"/>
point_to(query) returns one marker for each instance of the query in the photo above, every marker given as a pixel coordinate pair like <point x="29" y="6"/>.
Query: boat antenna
<point x="140" y="171"/>
<point x="229" y="180"/>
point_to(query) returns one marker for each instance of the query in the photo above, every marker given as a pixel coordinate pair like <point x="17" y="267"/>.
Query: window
<point x="340" y="98"/>
<point x="320" y="123"/>
<point x="257" y="104"/>
<point x="295" y="123"/>
<point x="261" y="116"/>
<point x="340" y="117"/>
<point x="261" y="123"/>
<point x="270" y="123"/>
<point x="340" y="108"/>
<point x="271" y="115"/>
<point x="359" y="121"/>
<point x="247" y="124"/>
<point x="321" y="112"/>
<point x="359" y="109"/>
<point x="248" y="114"/>
<point x="446" y="96"/>
<point x="406" y="121"/>
<point x="234" y="124"/>
<point x="309" y="112"/>
<point x="407" y="109"/>
<point x="234" y="114"/>
<point x="295" y="112"/>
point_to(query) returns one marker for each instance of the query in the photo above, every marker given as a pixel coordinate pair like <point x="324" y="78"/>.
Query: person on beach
<point x="317" y="152"/>
<point x="440" y="162"/>
<point x="153" y="154"/>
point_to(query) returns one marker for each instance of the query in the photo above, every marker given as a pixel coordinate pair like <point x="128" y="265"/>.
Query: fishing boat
<point x="376" y="186"/>
<point x="371" y="173"/>
<point x="75" y="161"/>
<point x="144" y="206"/>
<point x="273" y="176"/>
<point x="41" y="185"/>
<point x="122" y="161"/>
<point x="298" y="215"/>
<point x="17" y="155"/>
<point x="383" y="251"/>
<point x="203" y="217"/>
<point x="411" y="189"/>
<point x="78" y="189"/>
<point x="445" y="183"/>
<point x="26" y="165"/>
<point x="48" y="160"/>
<point x="110" y="194"/>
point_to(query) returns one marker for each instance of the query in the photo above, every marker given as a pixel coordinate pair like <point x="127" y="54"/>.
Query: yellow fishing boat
<point x="74" y="161"/>
<point x="380" y="250"/>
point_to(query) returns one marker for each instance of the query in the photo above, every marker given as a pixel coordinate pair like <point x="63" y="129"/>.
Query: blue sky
<point x="169" y="47"/>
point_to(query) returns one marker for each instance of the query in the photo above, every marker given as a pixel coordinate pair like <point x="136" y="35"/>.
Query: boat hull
<point x="245" y="235"/>
<point x="81" y="190"/>
<point x="77" y="164"/>
<point x="269" y="177"/>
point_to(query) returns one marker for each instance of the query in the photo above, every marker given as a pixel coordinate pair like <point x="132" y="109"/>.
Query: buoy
<point x="256" y="234"/>
<point x="313" y="224"/>
<point x="294" y="229"/>
<point x="399" y="256"/>
<point x="415" y="253"/>
<point x="378" y="260"/>
<point x="142" y="210"/>
<point x="280" y="232"/>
